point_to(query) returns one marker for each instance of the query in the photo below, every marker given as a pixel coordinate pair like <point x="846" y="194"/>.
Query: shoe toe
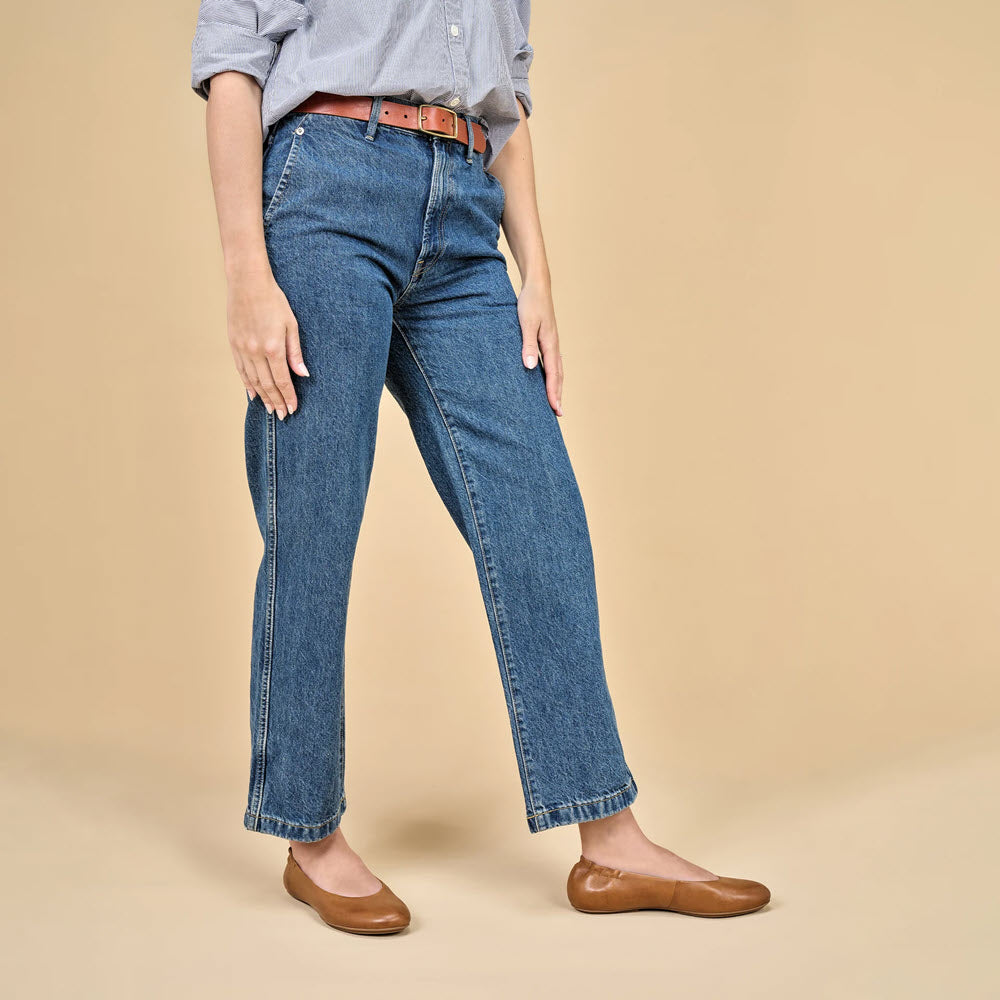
<point x="746" y="893"/>
<point x="389" y="922"/>
<point x="393" y="917"/>
<point x="720" y="897"/>
<point x="740" y="895"/>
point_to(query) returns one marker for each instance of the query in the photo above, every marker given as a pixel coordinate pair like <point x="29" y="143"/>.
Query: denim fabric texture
<point x="385" y="242"/>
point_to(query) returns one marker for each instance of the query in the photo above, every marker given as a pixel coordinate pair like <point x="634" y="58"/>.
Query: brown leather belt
<point x="430" y="118"/>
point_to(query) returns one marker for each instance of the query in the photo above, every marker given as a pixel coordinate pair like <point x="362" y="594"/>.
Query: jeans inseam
<point x="501" y="631"/>
<point x="267" y="654"/>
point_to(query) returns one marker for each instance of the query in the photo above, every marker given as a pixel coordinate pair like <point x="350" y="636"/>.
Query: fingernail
<point x="270" y="409"/>
<point x="305" y="371"/>
<point x="529" y="361"/>
<point x="281" y="414"/>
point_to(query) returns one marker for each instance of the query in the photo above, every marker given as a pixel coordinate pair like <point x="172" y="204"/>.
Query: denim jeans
<point x="385" y="242"/>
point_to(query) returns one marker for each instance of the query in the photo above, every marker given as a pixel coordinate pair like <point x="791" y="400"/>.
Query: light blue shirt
<point x="469" y="55"/>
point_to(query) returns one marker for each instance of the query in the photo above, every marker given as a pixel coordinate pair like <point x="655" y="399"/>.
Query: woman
<point x="395" y="145"/>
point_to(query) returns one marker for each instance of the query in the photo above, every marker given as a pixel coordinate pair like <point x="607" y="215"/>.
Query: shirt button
<point x="454" y="29"/>
<point x="455" y="101"/>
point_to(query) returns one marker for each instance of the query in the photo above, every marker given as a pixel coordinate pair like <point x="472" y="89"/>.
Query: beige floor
<point x="883" y="887"/>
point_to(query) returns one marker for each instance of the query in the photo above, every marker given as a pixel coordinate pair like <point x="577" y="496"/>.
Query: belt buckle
<point x="453" y="134"/>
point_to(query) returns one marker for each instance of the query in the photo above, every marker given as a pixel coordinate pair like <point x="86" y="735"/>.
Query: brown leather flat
<point x="381" y="912"/>
<point x="594" y="888"/>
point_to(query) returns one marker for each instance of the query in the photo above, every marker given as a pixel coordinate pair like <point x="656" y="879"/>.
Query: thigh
<point x="463" y="337"/>
<point x="340" y="283"/>
<point x="483" y="422"/>
<point x="495" y="451"/>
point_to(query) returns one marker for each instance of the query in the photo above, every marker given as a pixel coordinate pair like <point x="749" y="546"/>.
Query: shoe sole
<point x="667" y="909"/>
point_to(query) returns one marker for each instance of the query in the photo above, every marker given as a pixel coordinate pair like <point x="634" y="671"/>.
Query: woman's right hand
<point x="263" y="333"/>
<point x="264" y="339"/>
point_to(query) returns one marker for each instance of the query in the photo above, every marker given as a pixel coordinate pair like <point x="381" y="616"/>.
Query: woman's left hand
<point x="540" y="338"/>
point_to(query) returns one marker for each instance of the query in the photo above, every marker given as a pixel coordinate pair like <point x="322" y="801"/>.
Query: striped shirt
<point x="469" y="55"/>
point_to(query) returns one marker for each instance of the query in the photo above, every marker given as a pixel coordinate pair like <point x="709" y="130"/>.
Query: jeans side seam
<point x="342" y="745"/>
<point x="268" y="651"/>
<point x="501" y="631"/>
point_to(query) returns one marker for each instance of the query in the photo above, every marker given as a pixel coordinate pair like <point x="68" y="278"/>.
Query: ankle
<point x="618" y="831"/>
<point x="334" y="843"/>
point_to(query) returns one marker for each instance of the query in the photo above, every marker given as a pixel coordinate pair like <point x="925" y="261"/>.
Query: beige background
<point x="774" y="229"/>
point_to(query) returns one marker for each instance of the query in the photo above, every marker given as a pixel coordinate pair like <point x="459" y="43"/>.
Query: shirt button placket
<point x="457" y="51"/>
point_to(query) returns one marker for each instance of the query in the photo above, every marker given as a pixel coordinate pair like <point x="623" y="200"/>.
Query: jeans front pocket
<point x="287" y="139"/>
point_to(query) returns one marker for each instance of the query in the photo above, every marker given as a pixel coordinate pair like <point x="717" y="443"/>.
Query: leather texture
<point x="381" y="912"/>
<point x="437" y="119"/>
<point x="595" y="888"/>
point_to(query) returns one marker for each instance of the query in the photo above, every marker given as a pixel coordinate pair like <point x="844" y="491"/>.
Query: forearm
<point x="233" y="128"/>
<point x="263" y="332"/>
<point x="515" y="169"/>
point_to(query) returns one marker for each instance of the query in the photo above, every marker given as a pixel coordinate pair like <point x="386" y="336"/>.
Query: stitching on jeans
<point x="268" y="653"/>
<point x="586" y="802"/>
<point x="447" y="193"/>
<point x="343" y="725"/>
<point x="286" y="173"/>
<point x="486" y="564"/>
<point x="307" y="826"/>
<point x="423" y="264"/>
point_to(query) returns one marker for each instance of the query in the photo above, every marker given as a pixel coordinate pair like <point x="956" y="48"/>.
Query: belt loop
<point x="469" y="148"/>
<point x="373" y="118"/>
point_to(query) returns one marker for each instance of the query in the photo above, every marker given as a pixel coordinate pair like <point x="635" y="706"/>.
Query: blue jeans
<point x="385" y="243"/>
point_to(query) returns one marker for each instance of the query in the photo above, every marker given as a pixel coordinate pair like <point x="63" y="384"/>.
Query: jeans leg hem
<point x="293" y="831"/>
<point x="583" y="812"/>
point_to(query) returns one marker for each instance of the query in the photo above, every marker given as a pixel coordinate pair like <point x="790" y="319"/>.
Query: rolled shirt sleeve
<point x="523" y="56"/>
<point x="242" y="35"/>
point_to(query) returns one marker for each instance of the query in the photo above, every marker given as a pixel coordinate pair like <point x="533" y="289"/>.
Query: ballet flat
<point x="381" y="912"/>
<point x="594" y="888"/>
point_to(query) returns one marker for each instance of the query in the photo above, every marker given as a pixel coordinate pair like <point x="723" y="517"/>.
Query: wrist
<point x="240" y="267"/>
<point x="537" y="277"/>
